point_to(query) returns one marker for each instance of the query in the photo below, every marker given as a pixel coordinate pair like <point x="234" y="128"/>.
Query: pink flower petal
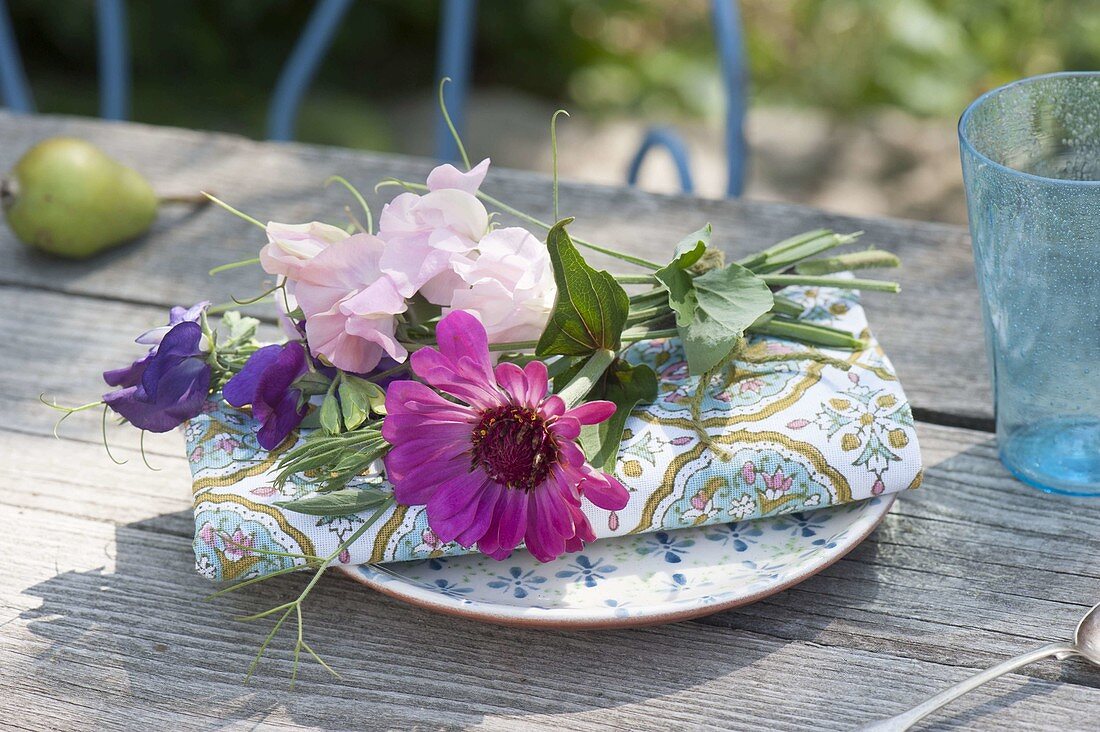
<point x="448" y="176"/>
<point x="566" y="427"/>
<point x="592" y="412"/>
<point x="537" y="382"/>
<point x="797" y="424"/>
<point x="483" y="515"/>
<point x="513" y="380"/>
<point x="453" y="506"/>
<point x="513" y="520"/>
<point x="553" y="406"/>
<point x="605" y="491"/>
<point x="461" y="335"/>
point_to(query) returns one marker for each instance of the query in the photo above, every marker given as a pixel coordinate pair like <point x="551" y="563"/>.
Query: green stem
<point x="793" y="250"/>
<point x="390" y="372"/>
<point x="234" y="211"/>
<point x="807" y="333"/>
<point x="233" y="265"/>
<point x="867" y="259"/>
<point x="644" y="334"/>
<point x="575" y="391"/>
<point x="587" y="244"/>
<point x="842" y="283"/>
<point x="513" y="346"/>
<point x="295" y="605"/>
<point x="627" y="279"/>
<point x="450" y="124"/>
<point x="358" y="197"/>
<point x="554" y="154"/>
<point x="191" y="199"/>
<point x="642" y="315"/>
<point x="659" y="294"/>
<point x="497" y="203"/>
<point x="755" y="260"/>
<point x="786" y="306"/>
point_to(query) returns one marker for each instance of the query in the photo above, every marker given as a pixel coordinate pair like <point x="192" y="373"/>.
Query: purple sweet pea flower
<point x="266" y="382"/>
<point x="131" y="375"/>
<point x="165" y="387"/>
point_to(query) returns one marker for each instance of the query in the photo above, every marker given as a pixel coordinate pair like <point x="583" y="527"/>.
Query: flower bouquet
<point x="480" y="387"/>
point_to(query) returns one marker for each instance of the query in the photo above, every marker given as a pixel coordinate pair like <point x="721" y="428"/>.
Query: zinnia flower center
<point x="514" y="446"/>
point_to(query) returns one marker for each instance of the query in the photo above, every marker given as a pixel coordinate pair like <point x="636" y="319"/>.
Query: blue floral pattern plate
<point x="640" y="579"/>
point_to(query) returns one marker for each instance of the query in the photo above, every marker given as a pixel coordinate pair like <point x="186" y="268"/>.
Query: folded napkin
<point x="783" y="435"/>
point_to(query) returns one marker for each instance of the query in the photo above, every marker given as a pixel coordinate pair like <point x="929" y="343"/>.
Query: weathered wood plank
<point x="101" y="623"/>
<point x="932" y="330"/>
<point x="904" y="591"/>
<point x="82" y="645"/>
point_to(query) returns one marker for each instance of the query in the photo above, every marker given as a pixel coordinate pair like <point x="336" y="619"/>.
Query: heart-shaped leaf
<point x="591" y="307"/>
<point x="728" y="300"/>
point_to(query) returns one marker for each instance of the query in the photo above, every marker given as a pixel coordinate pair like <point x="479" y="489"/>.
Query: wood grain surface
<point x="102" y="618"/>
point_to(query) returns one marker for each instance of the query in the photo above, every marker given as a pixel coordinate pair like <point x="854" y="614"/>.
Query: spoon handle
<point x="905" y="720"/>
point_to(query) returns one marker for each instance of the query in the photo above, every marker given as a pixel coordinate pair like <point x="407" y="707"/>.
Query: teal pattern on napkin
<point x="780" y="437"/>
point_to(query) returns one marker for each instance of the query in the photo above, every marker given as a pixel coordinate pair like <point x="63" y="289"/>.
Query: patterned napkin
<point x="783" y="436"/>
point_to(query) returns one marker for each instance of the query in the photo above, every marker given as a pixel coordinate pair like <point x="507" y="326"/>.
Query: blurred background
<point x="852" y="103"/>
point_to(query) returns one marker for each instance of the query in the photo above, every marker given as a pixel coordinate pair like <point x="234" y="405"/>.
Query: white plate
<point x="641" y="579"/>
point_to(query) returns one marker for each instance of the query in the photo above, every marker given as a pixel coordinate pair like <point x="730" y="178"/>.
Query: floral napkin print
<point x="764" y="438"/>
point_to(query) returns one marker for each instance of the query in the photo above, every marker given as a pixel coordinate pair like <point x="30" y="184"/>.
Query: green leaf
<point x="591" y="307"/>
<point x="312" y="383"/>
<point x="692" y="248"/>
<point x="312" y="420"/>
<point x="330" y="414"/>
<point x="676" y="280"/>
<point x="338" y="503"/>
<point x="681" y="293"/>
<point x="729" y="300"/>
<point x="240" y="328"/>
<point x="626" y="386"/>
<point x="358" y="397"/>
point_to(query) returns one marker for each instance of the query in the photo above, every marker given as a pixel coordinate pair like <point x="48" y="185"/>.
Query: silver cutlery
<point x="1086" y="643"/>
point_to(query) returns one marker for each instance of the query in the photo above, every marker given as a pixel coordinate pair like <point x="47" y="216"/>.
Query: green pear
<point x="67" y="197"/>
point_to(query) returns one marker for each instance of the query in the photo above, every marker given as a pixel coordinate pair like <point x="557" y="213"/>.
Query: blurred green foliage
<point x="213" y="64"/>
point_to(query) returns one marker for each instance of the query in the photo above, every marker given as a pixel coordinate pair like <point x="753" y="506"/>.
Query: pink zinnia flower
<point x="500" y="467"/>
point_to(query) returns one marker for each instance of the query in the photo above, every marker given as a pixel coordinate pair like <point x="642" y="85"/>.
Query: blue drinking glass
<point x="1031" y="164"/>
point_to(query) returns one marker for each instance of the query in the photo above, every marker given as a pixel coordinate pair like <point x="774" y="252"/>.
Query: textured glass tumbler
<point x="1031" y="164"/>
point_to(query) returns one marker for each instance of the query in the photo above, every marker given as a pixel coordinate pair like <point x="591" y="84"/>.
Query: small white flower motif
<point x="206" y="568"/>
<point x="743" y="507"/>
<point x="193" y="431"/>
<point x="812" y="501"/>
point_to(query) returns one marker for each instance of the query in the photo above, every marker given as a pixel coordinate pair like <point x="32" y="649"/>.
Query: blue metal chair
<point x="114" y="62"/>
<point x="725" y="16"/>
<point x="456" y="30"/>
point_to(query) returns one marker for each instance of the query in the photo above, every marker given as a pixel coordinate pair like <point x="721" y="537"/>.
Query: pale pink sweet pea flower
<point x="350" y="304"/>
<point x="289" y="246"/>
<point x="511" y="285"/>
<point x="425" y="233"/>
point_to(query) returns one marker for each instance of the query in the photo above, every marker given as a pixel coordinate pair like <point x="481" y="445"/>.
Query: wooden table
<point x="102" y="619"/>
